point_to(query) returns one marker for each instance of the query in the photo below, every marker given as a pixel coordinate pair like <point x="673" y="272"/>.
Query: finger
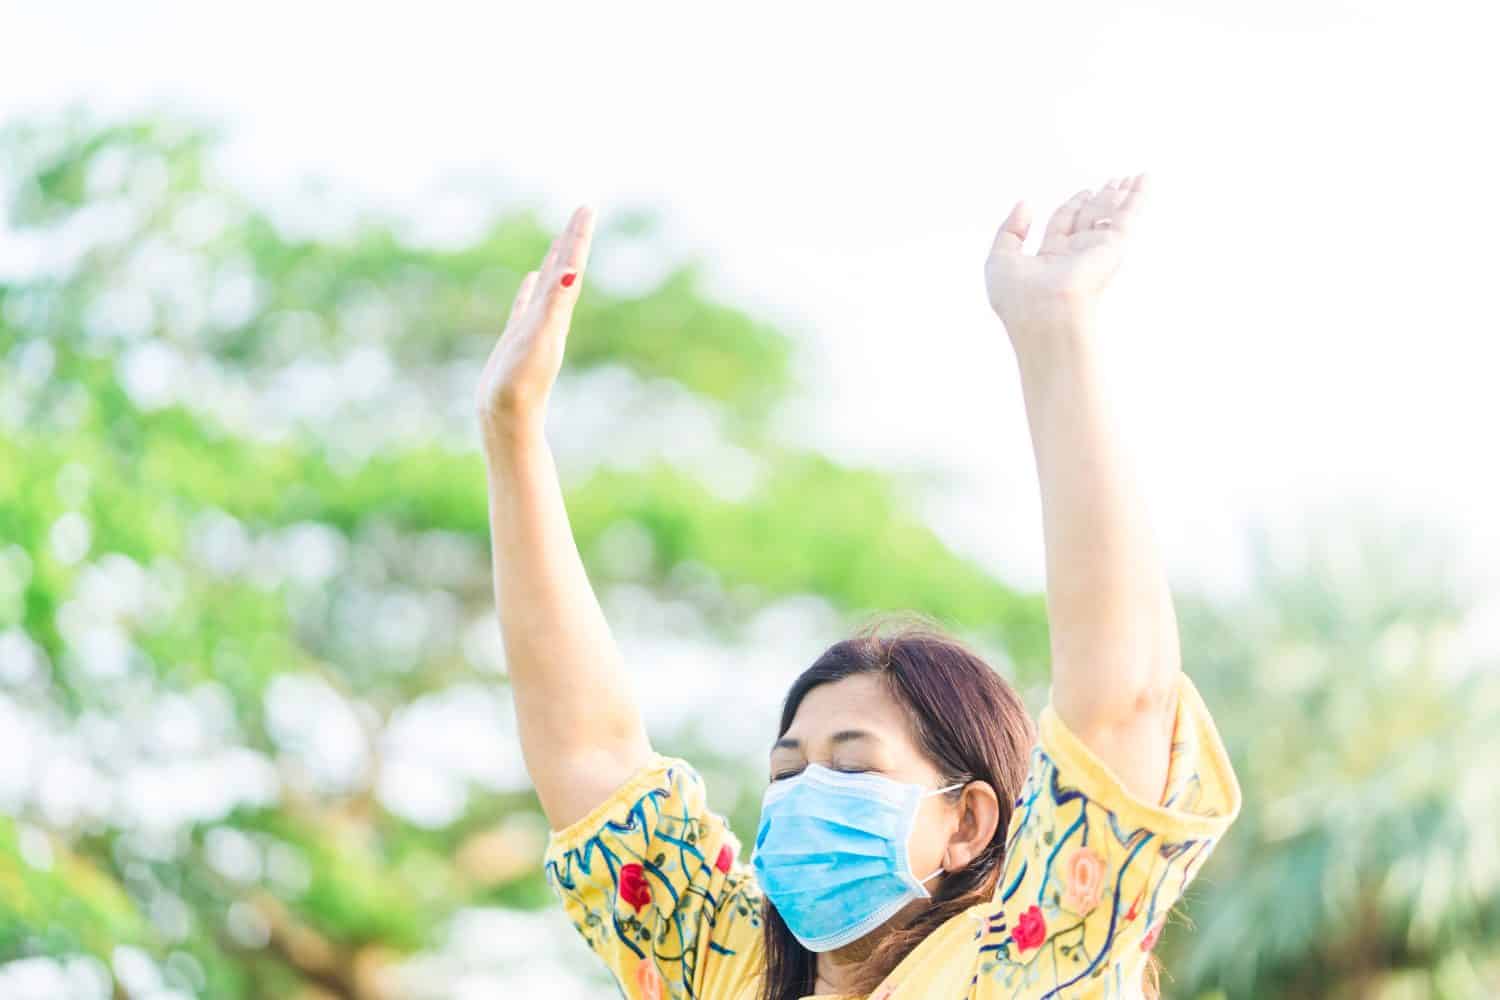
<point x="545" y="268"/>
<point x="1098" y="207"/>
<point x="523" y="297"/>
<point x="555" y="266"/>
<point x="1013" y="230"/>
<point x="1062" y="223"/>
<point x="1114" y="195"/>
<point x="574" y="252"/>
<point x="1135" y="196"/>
<point x="561" y="285"/>
<point x="517" y="308"/>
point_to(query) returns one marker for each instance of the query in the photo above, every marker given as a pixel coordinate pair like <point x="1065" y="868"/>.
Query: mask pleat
<point x="819" y="868"/>
<point x="794" y="835"/>
<point x="825" y="912"/>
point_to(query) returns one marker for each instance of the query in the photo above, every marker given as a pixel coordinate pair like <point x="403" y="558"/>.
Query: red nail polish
<point x="567" y="279"/>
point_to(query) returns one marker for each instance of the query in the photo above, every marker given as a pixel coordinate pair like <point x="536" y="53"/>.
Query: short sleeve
<point x="1091" y="870"/>
<point x="652" y="880"/>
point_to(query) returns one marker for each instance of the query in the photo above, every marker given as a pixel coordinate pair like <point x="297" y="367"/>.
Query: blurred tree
<point x="243" y="580"/>
<point x="1366" y="863"/>
<point x="243" y="556"/>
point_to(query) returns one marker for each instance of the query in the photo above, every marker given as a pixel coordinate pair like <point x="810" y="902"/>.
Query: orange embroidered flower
<point x="1083" y="878"/>
<point x="648" y="980"/>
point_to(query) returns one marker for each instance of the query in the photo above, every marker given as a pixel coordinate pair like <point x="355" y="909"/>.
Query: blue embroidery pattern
<point x="1081" y="897"/>
<point x="644" y="887"/>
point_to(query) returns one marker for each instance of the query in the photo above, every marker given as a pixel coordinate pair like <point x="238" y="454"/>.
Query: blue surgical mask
<point x="831" y="852"/>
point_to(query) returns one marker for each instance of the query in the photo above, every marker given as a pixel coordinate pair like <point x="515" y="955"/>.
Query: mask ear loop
<point x="939" y="791"/>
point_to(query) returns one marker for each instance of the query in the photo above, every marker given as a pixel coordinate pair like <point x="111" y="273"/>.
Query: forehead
<point x="860" y="701"/>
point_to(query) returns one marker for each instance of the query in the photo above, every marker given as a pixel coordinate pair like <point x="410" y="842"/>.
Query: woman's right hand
<point x="521" y="370"/>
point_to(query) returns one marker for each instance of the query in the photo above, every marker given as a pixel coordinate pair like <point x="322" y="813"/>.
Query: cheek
<point x="929" y="839"/>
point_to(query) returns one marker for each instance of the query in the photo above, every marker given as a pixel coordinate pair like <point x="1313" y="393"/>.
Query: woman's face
<point x="856" y="724"/>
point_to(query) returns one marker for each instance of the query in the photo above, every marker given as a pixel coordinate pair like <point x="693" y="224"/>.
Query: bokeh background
<point x="256" y="739"/>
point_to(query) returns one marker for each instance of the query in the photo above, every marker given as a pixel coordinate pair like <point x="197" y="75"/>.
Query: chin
<point x="859" y="949"/>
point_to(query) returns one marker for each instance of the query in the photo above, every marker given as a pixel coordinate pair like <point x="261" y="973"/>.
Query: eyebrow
<point x="842" y="736"/>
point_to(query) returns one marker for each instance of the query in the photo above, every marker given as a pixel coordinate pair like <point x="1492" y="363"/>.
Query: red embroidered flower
<point x="633" y="887"/>
<point x="1149" y="941"/>
<point x="1031" y="929"/>
<point x="725" y="859"/>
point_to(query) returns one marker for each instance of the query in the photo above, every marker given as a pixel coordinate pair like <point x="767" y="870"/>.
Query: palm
<point x="1078" y="255"/>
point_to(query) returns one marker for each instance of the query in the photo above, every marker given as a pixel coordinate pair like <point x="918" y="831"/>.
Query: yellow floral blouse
<point x="656" y="884"/>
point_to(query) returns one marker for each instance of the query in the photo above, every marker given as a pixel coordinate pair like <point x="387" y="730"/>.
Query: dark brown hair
<point x="969" y="723"/>
<point x="972" y="726"/>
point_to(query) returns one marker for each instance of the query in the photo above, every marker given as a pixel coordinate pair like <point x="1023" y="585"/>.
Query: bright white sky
<point x="1307" y="313"/>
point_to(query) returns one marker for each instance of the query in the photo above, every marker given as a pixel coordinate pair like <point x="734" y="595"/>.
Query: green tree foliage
<point x="240" y="505"/>
<point x="241" y="510"/>
<point x="1366" y="863"/>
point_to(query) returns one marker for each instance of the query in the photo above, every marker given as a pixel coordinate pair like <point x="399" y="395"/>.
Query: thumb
<point x="523" y="297"/>
<point x="1013" y="230"/>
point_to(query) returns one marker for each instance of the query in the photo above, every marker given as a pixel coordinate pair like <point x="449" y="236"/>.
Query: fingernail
<point x="567" y="279"/>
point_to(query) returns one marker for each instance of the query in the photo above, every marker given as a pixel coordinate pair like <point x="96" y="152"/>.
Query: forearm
<point x="1114" y="639"/>
<point x="581" y="731"/>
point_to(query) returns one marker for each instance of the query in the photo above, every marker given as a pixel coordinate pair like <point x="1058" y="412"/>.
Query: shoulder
<point x="647" y="846"/>
<point x="651" y="878"/>
<point x="1202" y="796"/>
<point x="1091" y="869"/>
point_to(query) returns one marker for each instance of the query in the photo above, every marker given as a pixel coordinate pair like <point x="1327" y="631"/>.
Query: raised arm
<point x="1114" y="641"/>
<point x="581" y="731"/>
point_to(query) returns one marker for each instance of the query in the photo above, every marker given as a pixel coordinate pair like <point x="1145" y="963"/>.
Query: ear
<point x="978" y="816"/>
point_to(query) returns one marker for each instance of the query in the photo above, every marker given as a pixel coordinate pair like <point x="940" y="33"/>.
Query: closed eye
<point x="842" y="770"/>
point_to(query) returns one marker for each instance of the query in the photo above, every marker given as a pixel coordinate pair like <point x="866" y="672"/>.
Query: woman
<point x="918" y="836"/>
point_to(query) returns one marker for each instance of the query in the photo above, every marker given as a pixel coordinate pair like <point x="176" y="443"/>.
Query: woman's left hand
<point x="1059" y="285"/>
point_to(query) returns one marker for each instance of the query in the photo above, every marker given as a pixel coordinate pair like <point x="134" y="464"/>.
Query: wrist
<point x="1042" y="349"/>
<point x="505" y="436"/>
